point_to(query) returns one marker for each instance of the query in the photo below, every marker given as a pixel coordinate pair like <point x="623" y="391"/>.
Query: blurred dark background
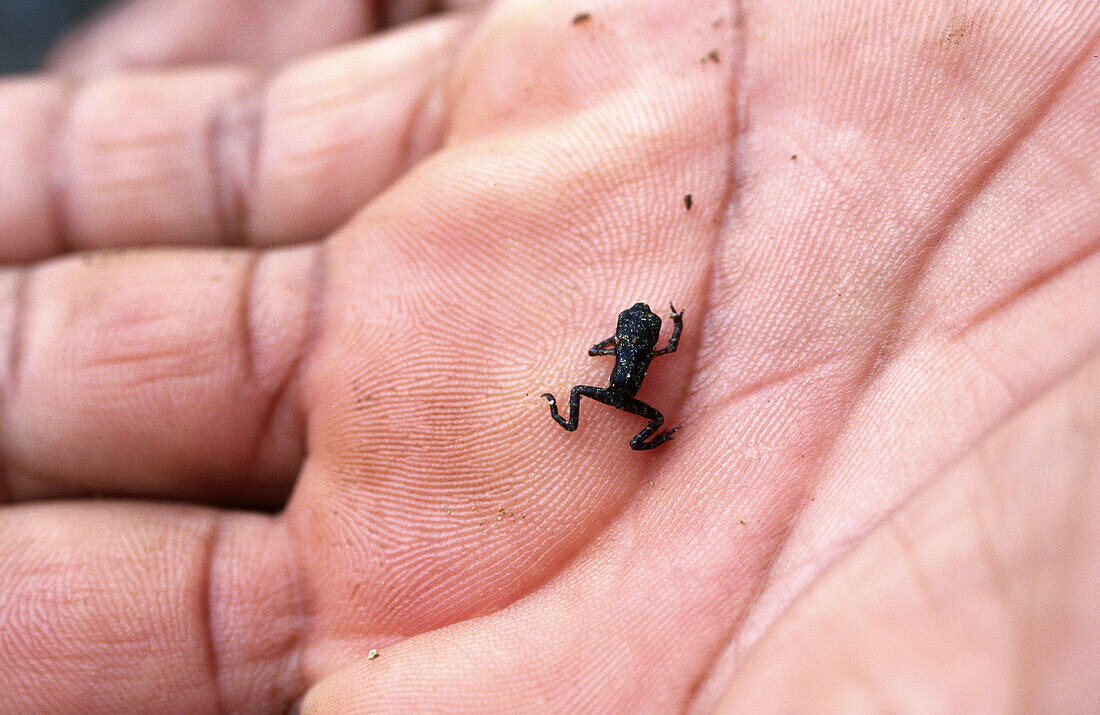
<point x="28" y="29"/>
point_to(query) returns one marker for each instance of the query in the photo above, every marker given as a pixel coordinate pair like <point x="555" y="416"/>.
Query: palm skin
<point x="887" y="381"/>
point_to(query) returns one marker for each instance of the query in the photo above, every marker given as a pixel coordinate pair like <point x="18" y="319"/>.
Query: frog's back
<point x="636" y="335"/>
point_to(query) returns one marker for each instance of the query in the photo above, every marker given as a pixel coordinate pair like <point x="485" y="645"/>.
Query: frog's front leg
<point x="677" y="327"/>
<point x="604" y="347"/>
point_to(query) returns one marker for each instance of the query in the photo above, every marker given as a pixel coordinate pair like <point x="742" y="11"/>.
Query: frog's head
<point x="640" y="315"/>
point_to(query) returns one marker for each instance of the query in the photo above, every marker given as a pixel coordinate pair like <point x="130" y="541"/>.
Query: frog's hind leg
<point x="656" y="419"/>
<point x="599" y="394"/>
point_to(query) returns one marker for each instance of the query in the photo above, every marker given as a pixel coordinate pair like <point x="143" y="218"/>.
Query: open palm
<point x="888" y="383"/>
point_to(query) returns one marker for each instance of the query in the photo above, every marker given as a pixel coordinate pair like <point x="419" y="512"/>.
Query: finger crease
<point x="57" y="171"/>
<point x="244" y="318"/>
<point x="206" y="608"/>
<point x="5" y="492"/>
<point x="232" y="139"/>
<point x="412" y="126"/>
<point x="12" y="368"/>
<point x="16" y="336"/>
<point x="278" y="396"/>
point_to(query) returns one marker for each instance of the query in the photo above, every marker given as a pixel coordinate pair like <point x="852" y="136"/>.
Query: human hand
<point x="887" y="382"/>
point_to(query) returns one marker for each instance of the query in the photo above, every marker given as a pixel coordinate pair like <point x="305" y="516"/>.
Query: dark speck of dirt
<point x="687" y="201"/>
<point x="794" y="157"/>
<point x="713" y="56"/>
<point x="956" y="33"/>
<point x="581" y="17"/>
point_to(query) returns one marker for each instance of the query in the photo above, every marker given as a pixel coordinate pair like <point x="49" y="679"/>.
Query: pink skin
<point x="885" y="491"/>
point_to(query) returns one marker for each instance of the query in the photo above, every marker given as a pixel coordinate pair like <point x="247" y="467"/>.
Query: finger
<point x="210" y="156"/>
<point x="155" y="373"/>
<point x="163" y="33"/>
<point x="196" y="607"/>
<point x="158" y="33"/>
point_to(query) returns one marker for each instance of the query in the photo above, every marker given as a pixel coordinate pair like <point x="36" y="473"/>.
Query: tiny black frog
<point x="633" y="346"/>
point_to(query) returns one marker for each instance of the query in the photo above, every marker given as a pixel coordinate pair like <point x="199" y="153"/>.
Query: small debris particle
<point x="446" y="510"/>
<point x="794" y="157"/>
<point x="717" y="22"/>
<point x="499" y="517"/>
<point x="372" y="654"/>
<point x="523" y="515"/>
<point x="651" y="482"/>
<point x="742" y="521"/>
<point x="687" y="201"/>
<point x="581" y="17"/>
<point x="713" y="56"/>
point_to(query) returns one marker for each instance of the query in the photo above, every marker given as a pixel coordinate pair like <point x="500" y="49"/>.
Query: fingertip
<point x="150" y="33"/>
